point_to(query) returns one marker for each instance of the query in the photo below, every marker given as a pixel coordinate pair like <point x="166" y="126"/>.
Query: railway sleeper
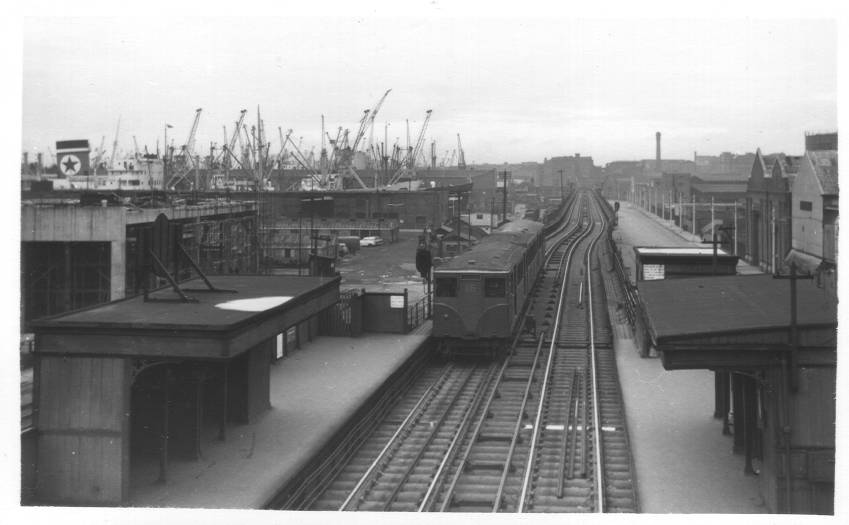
<point x="472" y="499"/>
<point x="504" y="438"/>
<point x="562" y="506"/>
<point x="625" y="504"/>
<point x="484" y="464"/>
<point x="571" y="496"/>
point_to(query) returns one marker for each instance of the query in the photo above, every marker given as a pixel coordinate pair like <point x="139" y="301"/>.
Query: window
<point x="494" y="287"/>
<point x="446" y="287"/>
<point x="806" y="205"/>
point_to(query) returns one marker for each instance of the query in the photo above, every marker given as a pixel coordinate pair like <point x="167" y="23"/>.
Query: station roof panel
<point x="644" y="250"/>
<point x="255" y="295"/>
<point x="733" y="304"/>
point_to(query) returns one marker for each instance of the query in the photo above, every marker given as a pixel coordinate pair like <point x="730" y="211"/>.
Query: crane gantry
<point x="408" y="166"/>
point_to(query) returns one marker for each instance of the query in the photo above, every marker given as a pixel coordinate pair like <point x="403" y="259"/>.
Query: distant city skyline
<point x="516" y="90"/>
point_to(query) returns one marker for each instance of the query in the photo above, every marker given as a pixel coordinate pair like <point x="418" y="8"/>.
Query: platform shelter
<point x="776" y="380"/>
<point x="134" y="382"/>
<point x="676" y="262"/>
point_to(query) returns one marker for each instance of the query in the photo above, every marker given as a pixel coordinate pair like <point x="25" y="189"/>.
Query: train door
<point x="470" y="297"/>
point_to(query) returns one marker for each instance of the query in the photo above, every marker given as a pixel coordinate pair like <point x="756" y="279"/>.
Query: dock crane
<point x="187" y="155"/>
<point x="99" y="157"/>
<point x="408" y="165"/>
<point x="135" y="148"/>
<point x="461" y="155"/>
<point x="315" y="179"/>
<point x="227" y="152"/>
<point x="115" y="144"/>
<point x="373" y="115"/>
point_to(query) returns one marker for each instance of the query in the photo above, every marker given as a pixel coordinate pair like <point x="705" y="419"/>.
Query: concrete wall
<point x="73" y="223"/>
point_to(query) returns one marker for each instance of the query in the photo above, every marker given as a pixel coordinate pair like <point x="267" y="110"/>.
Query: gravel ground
<point x="387" y="268"/>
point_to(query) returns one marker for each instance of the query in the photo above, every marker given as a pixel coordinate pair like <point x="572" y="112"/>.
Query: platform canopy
<point x="246" y="310"/>
<point x="709" y="322"/>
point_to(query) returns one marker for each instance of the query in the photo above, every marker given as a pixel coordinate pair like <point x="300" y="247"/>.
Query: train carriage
<point x="480" y="294"/>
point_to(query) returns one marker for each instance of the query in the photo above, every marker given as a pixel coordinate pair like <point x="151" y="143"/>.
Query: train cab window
<point x="494" y="287"/>
<point x="446" y="287"/>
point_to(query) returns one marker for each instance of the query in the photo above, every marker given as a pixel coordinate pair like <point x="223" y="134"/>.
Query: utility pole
<point x="712" y="228"/>
<point x="504" y="202"/>
<point x="561" y="184"/>
<point x="694" y="213"/>
<point x="735" y="226"/>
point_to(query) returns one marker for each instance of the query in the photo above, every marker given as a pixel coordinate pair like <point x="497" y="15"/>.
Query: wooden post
<point x="737" y="402"/>
<point x="163" y="436"/>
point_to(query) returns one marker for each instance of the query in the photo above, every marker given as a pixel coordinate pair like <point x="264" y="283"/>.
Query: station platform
<point x="637" y="227"/>
<point x="313" y="392"/>
<point x="683" y="462"/>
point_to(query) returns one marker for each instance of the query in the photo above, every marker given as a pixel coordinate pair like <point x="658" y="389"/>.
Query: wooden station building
<point x="139" y="380"/>
<point x="776" y="378"/>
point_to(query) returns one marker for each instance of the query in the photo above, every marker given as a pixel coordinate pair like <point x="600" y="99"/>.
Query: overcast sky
<point x="518" y="89"/>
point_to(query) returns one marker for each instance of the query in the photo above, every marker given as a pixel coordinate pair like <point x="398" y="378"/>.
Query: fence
<point x="345" y="317"/>
<point x="418" y="313"/>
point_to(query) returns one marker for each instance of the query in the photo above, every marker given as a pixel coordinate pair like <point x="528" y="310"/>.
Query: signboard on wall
<point x="654" y="272"/>
<point x="396" y="301"/>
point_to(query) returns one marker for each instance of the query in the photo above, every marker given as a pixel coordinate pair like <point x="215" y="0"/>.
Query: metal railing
<point x="418" y="313"/>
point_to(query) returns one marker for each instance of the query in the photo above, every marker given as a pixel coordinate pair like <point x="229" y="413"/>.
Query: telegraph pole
<point x="561" y="184"/>
<point x="504" y="202"/>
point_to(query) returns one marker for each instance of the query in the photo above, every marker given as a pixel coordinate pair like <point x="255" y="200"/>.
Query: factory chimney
<point x="657" y="154"/>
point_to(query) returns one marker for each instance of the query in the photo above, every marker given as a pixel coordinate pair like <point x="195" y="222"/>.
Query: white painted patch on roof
<point x="679" y="251"/>
<point x="254" y="304"/>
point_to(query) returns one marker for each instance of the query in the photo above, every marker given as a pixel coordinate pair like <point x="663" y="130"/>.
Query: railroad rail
<point x="539" y="430"/>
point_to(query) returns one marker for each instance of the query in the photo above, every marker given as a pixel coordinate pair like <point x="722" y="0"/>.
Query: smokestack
<point x="657" y="154"/>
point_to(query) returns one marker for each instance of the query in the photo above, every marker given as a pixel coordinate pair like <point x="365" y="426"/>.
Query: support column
<point x="750" y="430"/>
<point x="739" y="412"/>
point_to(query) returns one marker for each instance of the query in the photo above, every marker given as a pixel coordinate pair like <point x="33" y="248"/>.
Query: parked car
<point x="371" y="241"/>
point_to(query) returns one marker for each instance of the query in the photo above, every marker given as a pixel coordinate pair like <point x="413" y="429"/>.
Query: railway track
<point x="540" y="430"/>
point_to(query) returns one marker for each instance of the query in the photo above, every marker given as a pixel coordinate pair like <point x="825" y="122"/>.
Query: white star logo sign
<point x="70" y="164"/>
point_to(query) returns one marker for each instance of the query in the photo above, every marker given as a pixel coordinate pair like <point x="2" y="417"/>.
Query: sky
<point x="515" y="88"/>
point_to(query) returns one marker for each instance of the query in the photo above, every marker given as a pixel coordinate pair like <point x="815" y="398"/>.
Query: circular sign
<point x="70" y="164"/>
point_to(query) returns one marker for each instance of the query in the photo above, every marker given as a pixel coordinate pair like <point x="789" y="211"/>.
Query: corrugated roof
<point x="716" y="305"/>
<point x="825" y="166"/>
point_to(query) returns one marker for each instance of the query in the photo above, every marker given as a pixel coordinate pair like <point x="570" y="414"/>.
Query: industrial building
<point x="75" y="255"/>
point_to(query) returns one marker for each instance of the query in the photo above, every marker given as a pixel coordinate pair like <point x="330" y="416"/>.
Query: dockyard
<point x="398" y="299"/>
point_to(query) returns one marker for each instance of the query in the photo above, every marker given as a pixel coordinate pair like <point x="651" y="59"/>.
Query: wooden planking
<point x="123" y="344"/>
<point x="67" y="473"/>
<point x="81" y="393"/>
<point x="82" y="430"/>
<point x="814" y="408"/>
